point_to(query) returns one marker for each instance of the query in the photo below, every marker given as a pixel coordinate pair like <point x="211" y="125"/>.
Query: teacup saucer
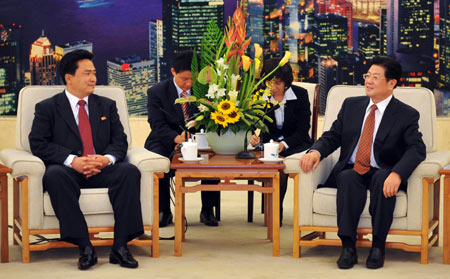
<point x="270" y="161"/>
<point x="191" y="161"/>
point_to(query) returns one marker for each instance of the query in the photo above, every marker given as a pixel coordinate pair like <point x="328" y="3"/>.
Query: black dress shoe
<point x="375" y="259"/>
<point x="348" y="258"/>
<point x="207" y="217"/>
<point x="123" y="257"/>
<point x="165" y="218"/>
<point x="88" y="258"/>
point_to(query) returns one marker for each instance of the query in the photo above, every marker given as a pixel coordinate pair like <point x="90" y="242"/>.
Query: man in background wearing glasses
<point x="380" y="147"/>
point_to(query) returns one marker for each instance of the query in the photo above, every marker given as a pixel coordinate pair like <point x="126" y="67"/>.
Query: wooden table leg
<point x="4" y="217"/>
<point x="276" y="215"/>
<point x="446" y="218"/>
<point x="178" y="214"/>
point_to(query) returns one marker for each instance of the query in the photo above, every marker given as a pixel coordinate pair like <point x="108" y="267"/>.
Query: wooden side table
<point x="446" y="217"/>
<point x="4" y="212"/>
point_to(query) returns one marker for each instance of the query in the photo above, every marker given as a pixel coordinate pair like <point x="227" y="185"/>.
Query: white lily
<point x="202" y="108"/>
<point x="212" y="90"/>
<point x="221" y="92"/>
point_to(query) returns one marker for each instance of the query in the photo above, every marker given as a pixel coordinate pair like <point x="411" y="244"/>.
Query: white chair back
<point x="30" y="95"/>
<point x="312" y="89"/>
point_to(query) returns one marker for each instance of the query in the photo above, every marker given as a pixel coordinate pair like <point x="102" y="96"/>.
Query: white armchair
<point x="33" y="212"/>
<point x="416" y="212"/>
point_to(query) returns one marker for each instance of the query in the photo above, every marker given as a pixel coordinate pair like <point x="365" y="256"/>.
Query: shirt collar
<point x="289" y="95"/>
<point x="179" y="90"/>
<point x="381" y="106"/>
<point x="73" y="100"/>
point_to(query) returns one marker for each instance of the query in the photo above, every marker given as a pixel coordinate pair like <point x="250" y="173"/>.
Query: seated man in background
<point x="81" y="140"/>
<point x="380" y="147"/>
<point x="167" y="121"/>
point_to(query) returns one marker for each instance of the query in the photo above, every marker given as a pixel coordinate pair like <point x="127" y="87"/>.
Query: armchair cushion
<point x="324" y="202"/>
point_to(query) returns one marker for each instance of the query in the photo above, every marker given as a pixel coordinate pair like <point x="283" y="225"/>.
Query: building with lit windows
<point x="61" y="50"/>
<point x="410" y="26"/>
<point x="43" y="62"/>
<point x="156" y="44"/>
<point x="368" y="40"/>
<point x="135" y="76"/>
<point x="184" y="23"/>
<point x="11" y="67"/>
<point x="444" y="44"/>
<point x="330" y="35"/>
<point x="327" y="79"/>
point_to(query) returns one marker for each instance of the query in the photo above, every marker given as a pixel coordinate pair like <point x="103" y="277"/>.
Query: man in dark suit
<point x="167" y="121"/>
<point x="81" y="140"/>
<point x="380" y="147"/>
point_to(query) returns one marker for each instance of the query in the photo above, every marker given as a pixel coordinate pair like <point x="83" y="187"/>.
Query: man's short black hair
<point x="182" y="61"/>
<point x="393" y="68"/>
<point x="69" y="62"/>
<point x="283" y="73"/>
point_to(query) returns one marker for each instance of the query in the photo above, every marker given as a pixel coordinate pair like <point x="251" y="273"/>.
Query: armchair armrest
<point x="308" y="182"/>
<point x="147" y="161"/>
<point x="429" y="168"/>
<point x="22" y="162"/>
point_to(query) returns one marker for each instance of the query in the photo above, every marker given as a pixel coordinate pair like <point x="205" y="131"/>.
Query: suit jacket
<point x="54" y="133"/>
<point x="166" y="118"/>
<point x="398" y="144"/>
<point x="296" y="124"/>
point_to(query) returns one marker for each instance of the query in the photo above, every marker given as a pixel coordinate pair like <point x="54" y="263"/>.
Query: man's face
<point x="82" y="83"/>
<point x="183" y="79"/>
<point x="377" y="86"/>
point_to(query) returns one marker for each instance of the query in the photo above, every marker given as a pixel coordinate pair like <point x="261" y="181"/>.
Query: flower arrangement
<point x="226" y="90"/>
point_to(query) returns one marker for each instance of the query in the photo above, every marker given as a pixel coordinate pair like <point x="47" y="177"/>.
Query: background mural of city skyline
<point x="134" y="41"/>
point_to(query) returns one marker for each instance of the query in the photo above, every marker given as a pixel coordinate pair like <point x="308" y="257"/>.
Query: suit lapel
<point x="94" y="116"/>
<point x="64" y="109"/>
<point x="173" y="95"/>
<point x="386" y="122"/>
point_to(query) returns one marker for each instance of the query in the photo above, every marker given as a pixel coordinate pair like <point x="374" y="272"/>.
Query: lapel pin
<point x="103" y="118"/>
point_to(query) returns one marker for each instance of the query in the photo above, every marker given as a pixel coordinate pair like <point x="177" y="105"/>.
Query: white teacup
<point x="189" y="150"/>
<point x="271" y="150"/>
<point x="200" y="139"/>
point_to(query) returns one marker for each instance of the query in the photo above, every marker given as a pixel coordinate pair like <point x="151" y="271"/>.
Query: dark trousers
<point x="351" y="199"/>
<point x="123" y="182"/>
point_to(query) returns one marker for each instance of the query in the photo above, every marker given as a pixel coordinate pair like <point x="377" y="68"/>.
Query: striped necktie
<point x="362" y="160"/>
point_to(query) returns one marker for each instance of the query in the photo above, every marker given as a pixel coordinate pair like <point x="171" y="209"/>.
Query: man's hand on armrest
<point x="310" y="160"/>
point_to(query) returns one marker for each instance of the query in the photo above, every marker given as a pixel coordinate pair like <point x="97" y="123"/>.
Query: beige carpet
<point x="235" y="249"/>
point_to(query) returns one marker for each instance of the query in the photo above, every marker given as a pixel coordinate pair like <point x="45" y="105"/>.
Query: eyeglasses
<point x="372" y="76"/>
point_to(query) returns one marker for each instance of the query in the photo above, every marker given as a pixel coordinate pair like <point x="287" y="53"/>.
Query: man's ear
<point x="68" y="78"/>
<point x="173" y="71"/>
<point x="392" y="83"/>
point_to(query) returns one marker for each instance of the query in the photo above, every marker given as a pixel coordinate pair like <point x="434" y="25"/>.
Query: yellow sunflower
<point x="220" y="118"/>
<point x="233" y="117"/>
<point x="226" y="107"/>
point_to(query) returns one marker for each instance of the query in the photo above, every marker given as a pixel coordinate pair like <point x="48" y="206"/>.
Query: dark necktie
<point x="362" y="160"/>
<point x="185" y="106"/>
<point x="85" y="129"/>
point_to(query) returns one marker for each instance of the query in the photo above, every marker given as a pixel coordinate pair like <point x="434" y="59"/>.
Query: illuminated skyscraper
<point x="156" y="44"/>
<point x="368" y="40"/>
<point x="330" y="35"/>
<point x="135" y="76"/>
<point x="410" y="26"/>
<point x="61" y="50"/>
<point x="11" y="68"/>
<point x="444" y="44"/>
<point x="184" y="23"/>
<point x="383" y="32"/>
<point x="327" y="79"/>
<point x="368" y="10"/>
<point x="263" y="22"/>
<point x="42" y="62"/>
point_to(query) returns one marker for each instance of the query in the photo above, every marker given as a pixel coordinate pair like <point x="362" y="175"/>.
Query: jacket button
<point x="79" y="153"/>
